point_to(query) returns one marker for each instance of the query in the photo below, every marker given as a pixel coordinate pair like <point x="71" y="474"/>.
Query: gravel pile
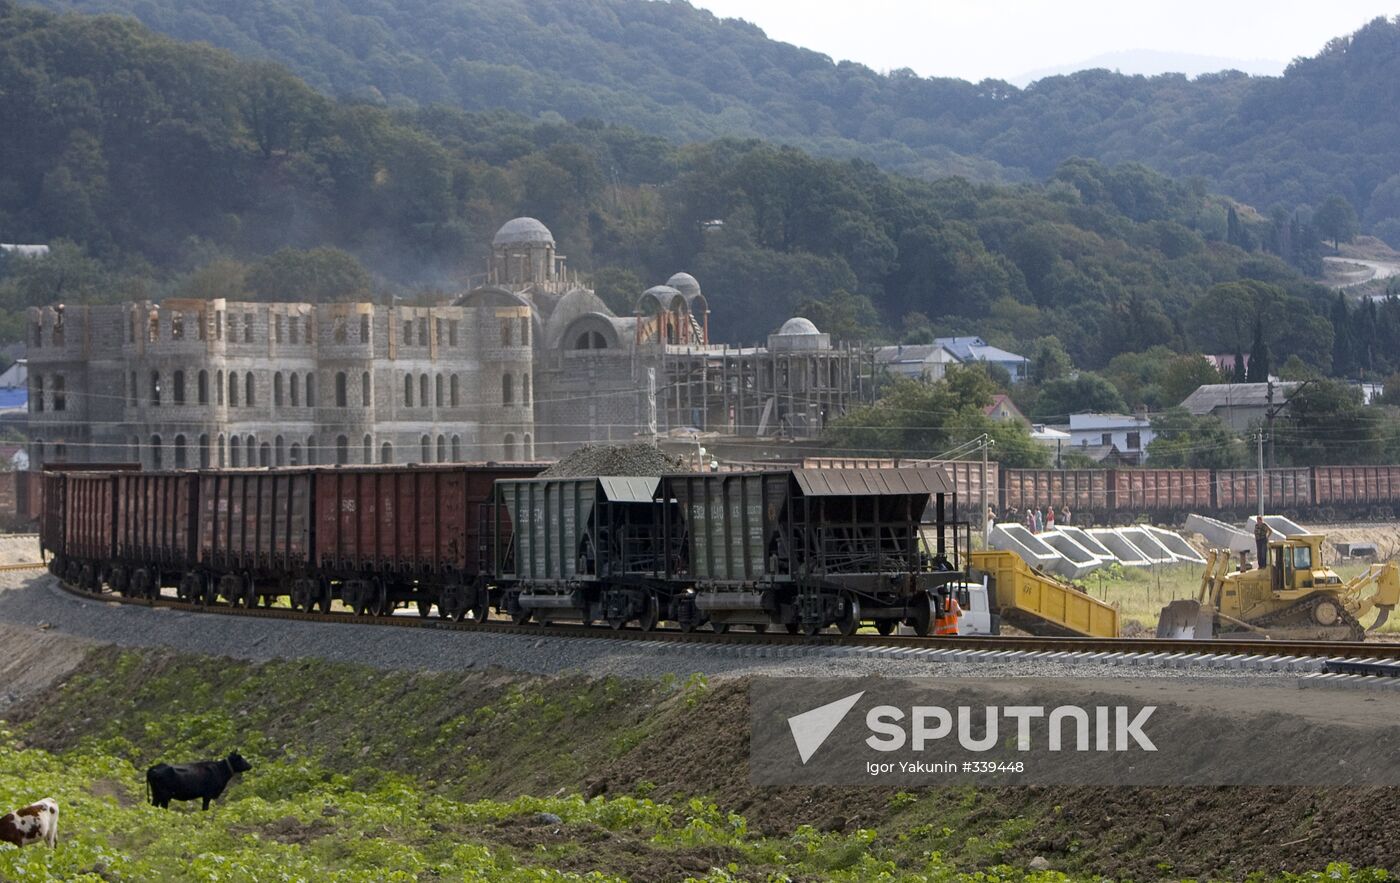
<point x="636" y="459"/>
<point x="28" y="599"/>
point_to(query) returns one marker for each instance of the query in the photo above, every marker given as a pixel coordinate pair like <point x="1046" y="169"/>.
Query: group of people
<point x="1033" y="519"/>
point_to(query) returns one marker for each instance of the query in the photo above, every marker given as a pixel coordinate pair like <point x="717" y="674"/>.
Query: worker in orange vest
<point x="948" y="613"/>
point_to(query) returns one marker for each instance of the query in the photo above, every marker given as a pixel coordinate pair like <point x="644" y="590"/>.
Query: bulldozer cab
<point x="1295" y="565"/>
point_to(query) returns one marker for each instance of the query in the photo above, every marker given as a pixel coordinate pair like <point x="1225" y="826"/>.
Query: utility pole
<point x="1261" y="472"/>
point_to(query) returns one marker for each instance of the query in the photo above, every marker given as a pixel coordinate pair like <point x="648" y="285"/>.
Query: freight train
<point x="1167" y="496"/>
<point x="800" y="549"/>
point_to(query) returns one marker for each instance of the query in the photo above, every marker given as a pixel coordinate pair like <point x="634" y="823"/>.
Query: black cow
<point x="205" y="780"/>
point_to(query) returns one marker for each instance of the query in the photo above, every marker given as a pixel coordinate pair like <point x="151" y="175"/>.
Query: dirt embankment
<point x="498" y="735"/>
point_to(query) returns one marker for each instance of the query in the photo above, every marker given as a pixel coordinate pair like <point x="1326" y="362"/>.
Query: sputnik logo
<point x="810" y="729"/>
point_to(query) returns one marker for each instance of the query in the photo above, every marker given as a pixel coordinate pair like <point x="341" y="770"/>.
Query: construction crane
<point x="1292" y="596"/>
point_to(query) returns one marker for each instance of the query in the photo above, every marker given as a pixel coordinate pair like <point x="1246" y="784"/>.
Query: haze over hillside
<point x="1151" y="62"/>
<point x="1330" y="126"/>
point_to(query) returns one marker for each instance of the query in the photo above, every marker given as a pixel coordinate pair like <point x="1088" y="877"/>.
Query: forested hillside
<point x="1329" y="127"/>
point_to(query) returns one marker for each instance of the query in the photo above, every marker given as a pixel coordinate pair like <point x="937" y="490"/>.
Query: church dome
<point x="685" y="284"/>
<point x="522" y="231"/>
<point x="798" y="325"/>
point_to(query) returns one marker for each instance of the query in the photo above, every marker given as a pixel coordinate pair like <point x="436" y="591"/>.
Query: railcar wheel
<point x="209" y="593"/>
<point x="811" y="629"/>
<point x="760" y="628"/>
<point x="719" y="628"/>
<point x="791" y="628"/>
<point x="250" y="591"/>
<point x="885" y="626"/>
<point x="921" y="617"/>
<point x="425" y="607"/>
<point x="520" y="616"/>
<point x="651" y="613"/>
<point x="687" y="625"/>
<point x="379" y="599"/>
<point x="848" y="622"/>
<point x="324" y="597"/>
<point x="482" y="611"/>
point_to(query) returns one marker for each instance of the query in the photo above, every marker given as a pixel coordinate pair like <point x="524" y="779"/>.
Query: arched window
<point x="453" y="396"/>
<point x="202" y="387"/>
<point x="423" y="391"/>
<point x="408" y="390"/>
<point x="277" y="389"/>
<point x="386" y="453"/>
<point x="204" y="450"/>
<point x="367" y="450"/>
<point x="524" y="330"/>
<point x="296" y="454"/>
<point x="425" y="450"/>
<point x="181" y="458"/>
<point x="310" y="448"/>
<point x="294" y="389"/>
<point x="155" y="388"/>
<point x="249" y="398"/>
<point x="279" y="451"/>
<point x="233" y="389"/>
<point x="529" y="452"/>
<point x="364" y="328"/>
<point x="505" y="333"/>
<point x="250" y="448"/>
<point x="366" y="392"/>
<point x="342" y="396"/>
<point x="442" y="449"/>
<point x="235" y="452"/>
<point x="38" y="405"/>
<point x="439" y="392"/>
<point x="507" y="389"/>
<point x="456" y="449"/>
<point x="342" y="450"/>
<point x="509" y="446"/>
<point x="223" y="451"/>
<point x="310" y="403"/>
<point x="525" y="389"/>
<point x="219" y="387"/>
<point x="155" y="452"/>
<point x="264" y="455"/>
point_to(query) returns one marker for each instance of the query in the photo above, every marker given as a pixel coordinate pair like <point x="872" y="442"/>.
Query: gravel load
<point x="636" y="459"/>
<point x="34" y="600"/>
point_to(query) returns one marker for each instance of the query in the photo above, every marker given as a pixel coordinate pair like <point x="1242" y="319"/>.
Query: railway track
<point x="1318" y="662"/>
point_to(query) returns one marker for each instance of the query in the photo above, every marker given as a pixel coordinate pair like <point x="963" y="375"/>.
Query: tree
<point x="917" y="419"/>
<point x="1184" y="374"/>
<point x="1184" y="441"/>
<point x="847" y="317"/>
<point x="1335" y="219"/>
<point x="1258" y="355"/>
<point x="318" y="275"/>
<point x="1085" y="393"/>
<point x="1050" y="361"/>
<point x="1325" y="423"/>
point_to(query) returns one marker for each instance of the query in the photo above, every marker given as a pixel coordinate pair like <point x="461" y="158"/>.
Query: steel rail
<point x="1141" y="647"/>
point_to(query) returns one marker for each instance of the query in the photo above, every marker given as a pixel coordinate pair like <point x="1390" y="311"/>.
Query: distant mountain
<point x="1151" y="62"/>
<point x="1329" y="126"/>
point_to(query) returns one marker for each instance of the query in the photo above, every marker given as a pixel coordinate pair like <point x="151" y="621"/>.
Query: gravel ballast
<point x="33" y="599"/>
<point x="636" y="459"/>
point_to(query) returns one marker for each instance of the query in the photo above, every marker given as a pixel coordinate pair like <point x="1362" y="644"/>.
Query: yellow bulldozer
<point x="1292" y="596"/>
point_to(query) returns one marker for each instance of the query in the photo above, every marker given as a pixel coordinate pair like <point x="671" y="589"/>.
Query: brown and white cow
<point x="31" y="824"/>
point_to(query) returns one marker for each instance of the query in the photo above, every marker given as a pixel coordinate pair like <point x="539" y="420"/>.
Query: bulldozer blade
<point x="1381" y="617"/>
<point x="1186" y="621"/>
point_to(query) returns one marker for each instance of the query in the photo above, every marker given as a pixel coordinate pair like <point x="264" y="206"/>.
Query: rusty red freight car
<point x="415" y="534"/>
<point x="87" y="523"/>
<point x="1368" y="491"/>
<point x="1084" y="490"/>
<point x="1285" y="491"/>
<point x="254" y="537"/>
<point x="155" y="522"/>
<point x="1159" y="492"/>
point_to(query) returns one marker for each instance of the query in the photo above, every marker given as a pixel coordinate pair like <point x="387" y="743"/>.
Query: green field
<point x="361" y="775"/>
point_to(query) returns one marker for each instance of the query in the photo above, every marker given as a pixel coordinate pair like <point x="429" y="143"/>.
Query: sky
<point x="1008" y="39"/>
